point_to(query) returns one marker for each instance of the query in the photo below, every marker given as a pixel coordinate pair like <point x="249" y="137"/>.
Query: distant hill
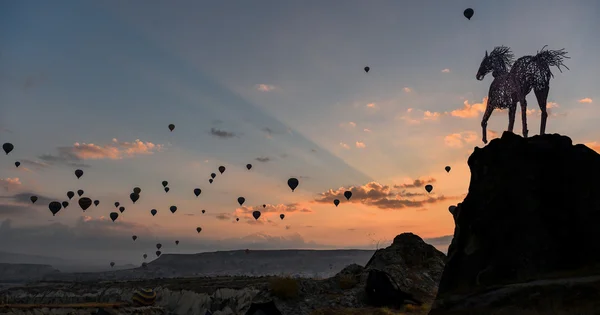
<point x="63" y="265"/>
<point x="299" y="263"/>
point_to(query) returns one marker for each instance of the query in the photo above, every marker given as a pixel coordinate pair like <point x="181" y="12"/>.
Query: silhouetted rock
<point x="532" y="212"/>
<point x="414" y="265"/>
<point x="25" y="272"/>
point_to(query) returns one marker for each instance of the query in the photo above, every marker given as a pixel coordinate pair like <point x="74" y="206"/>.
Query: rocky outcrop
<point x="24" y="272"/>
<point x="415" y="265"/>
<point x="532" y="212"/>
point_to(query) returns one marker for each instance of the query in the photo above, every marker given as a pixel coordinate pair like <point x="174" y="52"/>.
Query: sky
<point x="94" y="85"/>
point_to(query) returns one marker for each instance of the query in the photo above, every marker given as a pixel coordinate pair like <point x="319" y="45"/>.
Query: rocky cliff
<point x="532" y="212"/>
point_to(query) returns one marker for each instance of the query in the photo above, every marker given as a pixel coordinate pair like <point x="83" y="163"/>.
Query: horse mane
<point x="552" y="57"/>
<point x="503" y="54"/>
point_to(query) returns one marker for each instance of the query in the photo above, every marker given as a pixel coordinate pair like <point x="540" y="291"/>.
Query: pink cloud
<point x="114" y="151"/>
<point x="265" y="87"/>
<point x="446" y="70"/>
<point x="470" y="110"/>
<point x="360" y="145"/>
<point x="459" y="140"/>
<point x="345" y="146"/>
<point x="10" y="183"/>
<point x="585" y="100"/>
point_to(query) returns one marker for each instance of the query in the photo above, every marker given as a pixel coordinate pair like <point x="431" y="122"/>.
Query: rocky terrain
<point x="526" y="235"/>
<point x="417" y="268"/>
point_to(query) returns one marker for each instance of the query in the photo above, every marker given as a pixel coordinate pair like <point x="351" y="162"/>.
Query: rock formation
<point x="532" y="212"/>
<point x="25" y="272"/>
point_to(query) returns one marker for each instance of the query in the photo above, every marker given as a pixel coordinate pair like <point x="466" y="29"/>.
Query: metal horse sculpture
<point x="509" y="87"/>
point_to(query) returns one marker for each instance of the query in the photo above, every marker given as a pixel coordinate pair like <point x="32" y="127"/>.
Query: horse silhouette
<point x="509" y="87"/>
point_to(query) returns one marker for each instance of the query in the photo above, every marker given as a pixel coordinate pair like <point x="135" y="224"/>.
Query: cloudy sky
<point x="278" y="84"/>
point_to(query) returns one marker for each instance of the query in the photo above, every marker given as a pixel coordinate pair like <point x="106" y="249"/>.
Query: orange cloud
<point x="371" y="105"/>
<point x="458" y="140"/>
<point x="114" y="151"/>
<point x="417" y="183"/>
<point x="585" y="100"/>
<point x="470" y="110"/>
<point x="265" y="87"/>
<point x="10" y="183"/>
<point x="427" y="115"/>
<point x="270" y="210"/>
<point x="345" y="146"/>
<point x="407" y="117"/>
<point x="380" y="196"/>
<point x="360" y="145"/>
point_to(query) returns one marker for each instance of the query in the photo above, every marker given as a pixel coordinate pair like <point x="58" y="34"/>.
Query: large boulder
<point x="532" y="212"/>
<point x="415" y="266"/>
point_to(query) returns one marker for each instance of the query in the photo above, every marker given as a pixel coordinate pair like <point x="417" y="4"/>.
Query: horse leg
<point x="488" y="112"/>
<point x="542" y="98"/>
<point x="512" y="111"/>
<point x="524" y="116"/>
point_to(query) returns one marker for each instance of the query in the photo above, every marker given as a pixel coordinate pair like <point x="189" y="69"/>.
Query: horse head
<point x="498" y="62"/>
<point x="485" y="67"/>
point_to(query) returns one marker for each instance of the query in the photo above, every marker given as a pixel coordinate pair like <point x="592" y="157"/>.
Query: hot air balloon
<point x="113" y="216"/>
<point x="468" y="13"/>
<point x="173" y="209"/>
<point x="33" y="199"/>
<point x="137" y="190"/>
<point x="347" y="194"/>
<point x="336" y="202"/>
<point x="96" y="202"/>
<point x="447" y="168"/>
<point x="8" y="147"/>
<point x="121" y="209"/>
<point x="282" y="216"/>
<point x="241" y="200"/>
<point x="85" y="203"/>
<point x="145" y="256"/>
<point x="134" y="197"/>
<point x="203" y="211"/>
<point x="17" y="163"/>
<point x="429" y="188"/>
<point x="293" y="183"/>
<point x="158" y="246"/>
<point x="54" y="207"/>
<point x="80" y="192"/>
<point x="248" y="166"/>
<point x="165" y="183"/>
<point x="70" y="194"/>
<point x="65" y="204"/>
<point x="221" y="169"/>
<point x="78" y="173"/>
<point x="112" y="264"/>
<point x="144" y="264"/>
<point x="134" y="237"/>
<point x="158" y="253"/>
<point x="167" y="189"/>
<point x="256" y="214"/>
<point x="264" y="206"/>
<point x="171" y="127"/>
<point x="237" y="219"/>
<point x="176" y="242"/>
<point x="197" y="191"/>
<point x="367" y="69"/>
<point x="117" y="204"/>
<point x="198" y="229"/>
<point x="210" y="180"/>
<point x="153" y="212"/>
<point x="213" y="175"/>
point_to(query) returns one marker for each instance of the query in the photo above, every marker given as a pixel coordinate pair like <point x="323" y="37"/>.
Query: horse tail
<point x="551" y="58"/>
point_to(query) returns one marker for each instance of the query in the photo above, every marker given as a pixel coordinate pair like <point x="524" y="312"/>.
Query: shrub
<point x="284" y="287"/>
<point x="347" y="282"/>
